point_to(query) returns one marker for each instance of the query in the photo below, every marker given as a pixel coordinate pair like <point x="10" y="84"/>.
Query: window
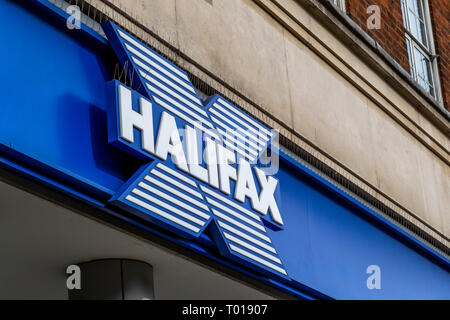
<point x="340" y="4"/>
<point x="420" y="46"/>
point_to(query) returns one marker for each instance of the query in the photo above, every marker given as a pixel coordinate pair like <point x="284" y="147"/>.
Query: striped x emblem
<point x="175" y="199"/>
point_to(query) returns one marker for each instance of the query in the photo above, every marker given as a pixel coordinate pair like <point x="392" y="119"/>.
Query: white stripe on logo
<point x="167" y="206"/>
<point x="174" y="182"/>
<point x="257" y="259"/>
<point x="246" y="237"/>
<point x="161" y="213"/>
<point x="154" y="56"/>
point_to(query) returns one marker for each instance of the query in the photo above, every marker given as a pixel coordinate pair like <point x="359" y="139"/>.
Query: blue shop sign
<point x="136" y="153"/>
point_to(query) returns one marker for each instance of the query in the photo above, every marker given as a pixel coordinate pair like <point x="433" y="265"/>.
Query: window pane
<point x="421" y="35"/>
<point x="417" y="44"/>
<point x="419" y="8"/>
<point x="412" y="5"/>
<point x="417" y="21"/>
<point x="423" y="71"/>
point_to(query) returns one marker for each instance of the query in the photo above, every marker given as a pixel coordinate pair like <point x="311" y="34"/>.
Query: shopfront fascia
<point x="56" y="100"/>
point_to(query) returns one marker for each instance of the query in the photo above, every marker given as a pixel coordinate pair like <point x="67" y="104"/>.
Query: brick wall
<point x="391" y="35"/>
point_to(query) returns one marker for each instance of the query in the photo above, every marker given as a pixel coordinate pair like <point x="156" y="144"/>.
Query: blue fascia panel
<point x="53" y="127"/>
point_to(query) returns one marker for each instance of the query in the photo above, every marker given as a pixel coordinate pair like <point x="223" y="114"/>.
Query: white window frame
<point x="428" y="50"/>
<point x="340" y="4"/>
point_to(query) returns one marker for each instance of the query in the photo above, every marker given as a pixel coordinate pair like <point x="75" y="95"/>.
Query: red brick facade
<point x="391" y="35"/>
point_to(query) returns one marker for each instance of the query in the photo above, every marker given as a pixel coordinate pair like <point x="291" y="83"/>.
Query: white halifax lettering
<point x="219" y="160"/>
